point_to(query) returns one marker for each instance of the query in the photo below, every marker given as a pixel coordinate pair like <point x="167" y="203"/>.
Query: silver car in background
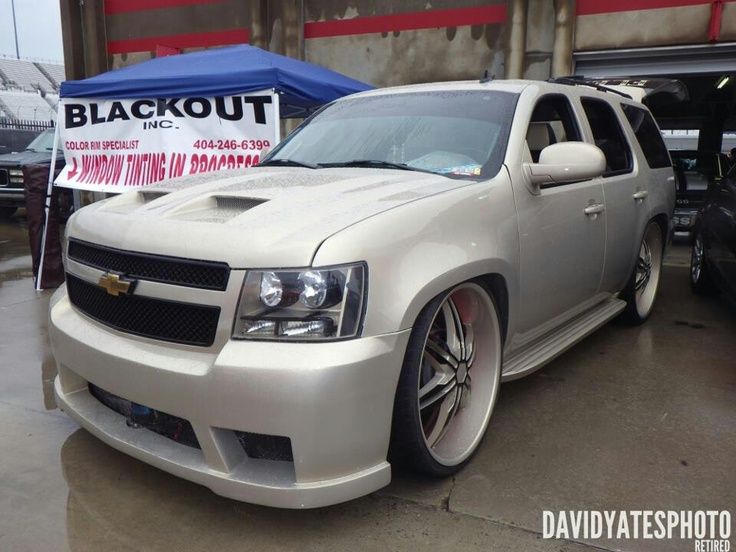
<point x="283" y="335"/>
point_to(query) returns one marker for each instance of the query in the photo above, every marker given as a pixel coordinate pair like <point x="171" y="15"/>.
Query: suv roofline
<point x="516" y="86"/>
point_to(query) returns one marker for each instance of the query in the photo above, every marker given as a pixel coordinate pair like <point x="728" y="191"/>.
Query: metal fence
<point x="29" y="124"/>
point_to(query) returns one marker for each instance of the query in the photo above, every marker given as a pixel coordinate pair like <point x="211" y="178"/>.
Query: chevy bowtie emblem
<point x="115" y="285"/>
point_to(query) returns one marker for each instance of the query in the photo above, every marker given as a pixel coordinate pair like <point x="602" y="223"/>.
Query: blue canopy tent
<point x="300" y="87"/>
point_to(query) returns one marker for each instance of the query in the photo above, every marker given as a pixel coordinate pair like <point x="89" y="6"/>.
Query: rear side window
<point x="608" y="135"/>
<point x="648" y="136"/>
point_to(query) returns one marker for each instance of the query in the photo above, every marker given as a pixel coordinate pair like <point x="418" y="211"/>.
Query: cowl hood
<point x="263" y="217"/>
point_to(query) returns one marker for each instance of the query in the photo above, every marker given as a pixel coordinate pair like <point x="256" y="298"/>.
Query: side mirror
<point x="566" y="162"/>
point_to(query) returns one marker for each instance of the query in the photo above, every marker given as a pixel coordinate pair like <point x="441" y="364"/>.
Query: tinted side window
<point x="608" y="135"/>
<point x="552" y="122"/>
<point x="648" y="136"/>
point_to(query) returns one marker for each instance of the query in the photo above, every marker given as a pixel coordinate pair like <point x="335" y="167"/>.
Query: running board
<point x="539" y="353"/>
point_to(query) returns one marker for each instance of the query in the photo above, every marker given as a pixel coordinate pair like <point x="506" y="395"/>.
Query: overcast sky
<point x="39" y="29"/>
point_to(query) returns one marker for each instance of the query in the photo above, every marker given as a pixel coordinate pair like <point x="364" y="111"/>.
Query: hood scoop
<point x="215" y="208"/>
<point x="147" y="196"/>
<point x="129" y="202"/>
<point x="239" y="204"/>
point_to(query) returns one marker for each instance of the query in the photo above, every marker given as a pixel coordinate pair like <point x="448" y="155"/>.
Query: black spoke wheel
<point x="449" y="381"/>
<point x="700" y="279"/>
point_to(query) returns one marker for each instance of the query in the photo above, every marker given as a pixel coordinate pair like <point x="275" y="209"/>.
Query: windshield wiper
<point x="377" y="163"/>
<point x="287" y="163"/>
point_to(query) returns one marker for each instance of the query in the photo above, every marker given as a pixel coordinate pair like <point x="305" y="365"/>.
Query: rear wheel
<point x="700" y="279"/>
<point x="641" y="291"/>
<point x="7" y="212"/>
<point x="449" y="381"/>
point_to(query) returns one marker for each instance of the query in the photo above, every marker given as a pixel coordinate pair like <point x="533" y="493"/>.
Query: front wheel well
<point x="496" y="285"/>
<point x="493" y="283"/>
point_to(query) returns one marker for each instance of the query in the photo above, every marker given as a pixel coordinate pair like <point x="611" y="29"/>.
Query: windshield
<point x="455" y="133"/>
<point x="42" y="142"/>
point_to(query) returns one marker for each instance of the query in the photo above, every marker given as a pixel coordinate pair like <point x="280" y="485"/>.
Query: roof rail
<point x="575" y="80"/>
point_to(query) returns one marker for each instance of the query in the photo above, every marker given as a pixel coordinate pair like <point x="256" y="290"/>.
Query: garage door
<point x="673" y="60"/>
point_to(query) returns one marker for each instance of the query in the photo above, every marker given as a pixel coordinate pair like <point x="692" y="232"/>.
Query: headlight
<point x="16" y="176"/>
<point x="302" y="304"/>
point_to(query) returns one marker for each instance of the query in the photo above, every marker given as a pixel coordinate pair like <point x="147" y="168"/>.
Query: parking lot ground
<point x="630" y="419"/>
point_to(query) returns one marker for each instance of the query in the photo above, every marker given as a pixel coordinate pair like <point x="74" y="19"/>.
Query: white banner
<point x="118" y="145"/>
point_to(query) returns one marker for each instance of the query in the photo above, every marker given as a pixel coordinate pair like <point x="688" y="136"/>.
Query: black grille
<point x="172" y="427"/>
<point x="145" y="316"/>
<point x="4" y="178"/>
<point x="168" y="270"/>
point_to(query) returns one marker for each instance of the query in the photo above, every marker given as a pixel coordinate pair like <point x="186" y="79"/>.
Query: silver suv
<point x="284" y="334"/>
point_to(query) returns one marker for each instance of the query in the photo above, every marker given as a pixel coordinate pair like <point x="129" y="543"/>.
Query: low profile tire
<point x="700" y="278"/>
<point x="7" y="212"/>
<point x="641" y="291"/>
<point x="449" y="382"/>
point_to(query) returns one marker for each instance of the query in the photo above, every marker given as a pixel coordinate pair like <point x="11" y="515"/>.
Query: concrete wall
<point x="387" y="42"/>
<point x="641" y="27"/>
<point x="133" y="36"/>
<point x="398" y="54"/>
<point x="728" y="24"/>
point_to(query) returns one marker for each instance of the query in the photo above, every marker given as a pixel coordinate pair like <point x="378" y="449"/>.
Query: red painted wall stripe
<point x="122" y="6"/>
<point x="592" y="7"/>
<point x="430" y="19"/>
<point x="190" y="40"/>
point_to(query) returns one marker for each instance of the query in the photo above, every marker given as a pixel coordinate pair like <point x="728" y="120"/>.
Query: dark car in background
<point x="12" y="187"/>
<point x="694" y="172"/>
<point x="713" y="258"/>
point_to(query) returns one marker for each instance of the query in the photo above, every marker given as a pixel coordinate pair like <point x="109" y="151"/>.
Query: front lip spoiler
<point x="188" y="463"/>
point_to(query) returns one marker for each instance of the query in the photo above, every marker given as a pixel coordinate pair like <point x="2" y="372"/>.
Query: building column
<point x="84" y="38"/>
<point x="564" y="35"/>
<point x="71" y="24"/>
<point x="517" y="40"/>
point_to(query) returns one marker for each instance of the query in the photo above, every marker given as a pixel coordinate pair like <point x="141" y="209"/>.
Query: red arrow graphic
<point x="73" y="171"/>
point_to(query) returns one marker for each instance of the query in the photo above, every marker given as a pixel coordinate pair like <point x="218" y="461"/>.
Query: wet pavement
<point x="631" y="418"/>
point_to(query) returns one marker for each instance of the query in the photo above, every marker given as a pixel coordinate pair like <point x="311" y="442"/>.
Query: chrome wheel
<point x="696" y="259"/>
<point x="648" y="268"/>
<point x="459" y="374"/>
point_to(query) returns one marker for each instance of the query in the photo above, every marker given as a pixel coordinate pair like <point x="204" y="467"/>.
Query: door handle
<point x="594" y="209"/>
<point x="640" y="195"/>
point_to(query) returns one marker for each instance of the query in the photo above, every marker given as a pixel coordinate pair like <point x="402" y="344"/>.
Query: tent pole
<point x="277" y="117"/>
<point x="47" y="206"/>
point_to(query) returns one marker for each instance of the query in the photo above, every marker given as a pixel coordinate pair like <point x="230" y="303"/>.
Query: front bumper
<point x="334" y="402"/>
<point x="12" y="197"/>
<point x="685" y="219"/>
